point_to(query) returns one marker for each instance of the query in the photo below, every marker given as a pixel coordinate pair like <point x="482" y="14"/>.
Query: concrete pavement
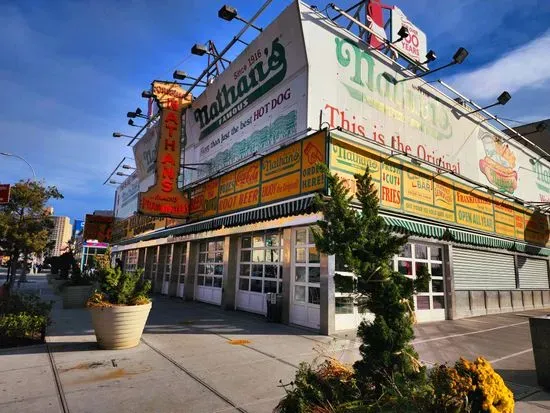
<point x="197" y="358"/>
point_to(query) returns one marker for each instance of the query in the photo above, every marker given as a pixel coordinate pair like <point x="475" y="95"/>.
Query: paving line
<point x="58" y="384"/>
<point x="468" y="334"/>
<point x="509" y="356"/>
<point x="193" y="376"/>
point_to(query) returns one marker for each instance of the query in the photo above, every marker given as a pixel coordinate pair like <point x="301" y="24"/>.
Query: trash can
<point x="540" y="338"/>
<point x="274" y="307"/>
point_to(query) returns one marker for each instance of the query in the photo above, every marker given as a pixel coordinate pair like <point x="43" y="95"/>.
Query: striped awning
<point x="265" y="213"/>
<point x="531" y="249"/>
<point x="410" y="227"/>
<point x="479" y="239"/>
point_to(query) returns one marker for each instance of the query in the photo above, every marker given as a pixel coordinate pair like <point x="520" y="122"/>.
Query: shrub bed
<point x="23" y="320"/>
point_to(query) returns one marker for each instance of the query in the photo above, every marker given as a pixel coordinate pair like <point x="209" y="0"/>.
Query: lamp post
<point x="23" y="159"/>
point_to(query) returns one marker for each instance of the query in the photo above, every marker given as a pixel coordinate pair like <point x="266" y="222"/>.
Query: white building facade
<point x="308" y="90"/>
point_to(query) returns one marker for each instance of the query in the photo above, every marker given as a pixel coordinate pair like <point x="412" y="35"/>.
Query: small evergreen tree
<point x="388" y="369"/>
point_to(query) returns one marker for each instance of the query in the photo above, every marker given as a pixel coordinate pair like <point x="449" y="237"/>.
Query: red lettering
<point x="167" y="185"/>
<point x="170" y="145"/>
<point x="168" y="159"/>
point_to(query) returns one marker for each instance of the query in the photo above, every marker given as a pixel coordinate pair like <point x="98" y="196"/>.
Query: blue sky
<point x="71" y="70"/>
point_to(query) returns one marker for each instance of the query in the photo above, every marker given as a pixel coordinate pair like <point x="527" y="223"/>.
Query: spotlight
<point x="403" y="34"/>
<point x="502" y="99"/>
<point x="459" y="57"/>
<point x="146" y="94"/>
<point x="199" y="49"/>
<point x="229" y="13"/>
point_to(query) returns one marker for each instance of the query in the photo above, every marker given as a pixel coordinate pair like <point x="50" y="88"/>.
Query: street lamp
<point x="147" y="94"/>
<point x="458" y="58"/>
<point x="502" y="99"/>
<point x="119" y="135"/>
<point x="229" y="13"/>
<point x="181" y="75"/>
<point x="200" y="50"/>
<point x="131" y="123"/>
<point x="23" y="159"/>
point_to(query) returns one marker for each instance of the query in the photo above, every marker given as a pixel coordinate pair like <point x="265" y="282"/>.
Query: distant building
<point x="537" y="132"/>
<point x="61" y="234"/>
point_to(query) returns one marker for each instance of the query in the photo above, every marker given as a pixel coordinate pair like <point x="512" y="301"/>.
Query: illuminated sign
<point x="4" y="194"/>
<point x="98" y="228"/>
<point x="164" y="198"/>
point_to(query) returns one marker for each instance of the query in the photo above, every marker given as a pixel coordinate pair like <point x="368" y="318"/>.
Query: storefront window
<point x="183" y="261"/>
<point x="412" y="258"/>
<point x="306" y="268"/>
<point x="260" y="267"/>
<point x="210" y="265"/>
<point x="131" y="260"/>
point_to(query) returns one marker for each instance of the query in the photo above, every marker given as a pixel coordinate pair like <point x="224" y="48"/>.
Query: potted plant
<point x="78" y="288"/>
<point x="120" y="307"/>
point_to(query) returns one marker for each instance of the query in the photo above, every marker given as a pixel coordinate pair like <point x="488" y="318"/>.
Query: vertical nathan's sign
<point x="164" y="198"/>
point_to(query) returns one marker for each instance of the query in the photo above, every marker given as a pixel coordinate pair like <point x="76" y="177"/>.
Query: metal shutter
<point x="483" y="270"/>
<point x="533" y="273"/>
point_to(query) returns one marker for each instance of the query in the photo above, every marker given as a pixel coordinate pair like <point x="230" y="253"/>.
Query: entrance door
<point x="165" y="267"/>
<point x="182" y="269"/>
<point x="429" y="304"/>
<point x="210" y="272"/>
<point x="259" y="270"/>
<point x="305" y="296"/>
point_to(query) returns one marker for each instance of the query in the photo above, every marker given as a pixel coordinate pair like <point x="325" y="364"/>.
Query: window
<point x="306" y="268"/>
<point x="131" y="260"/>
<point x="165" y="261"/>
<point x="411" y="259"/>
<point x="210" y="265"/>
<point x="260" y="262"/>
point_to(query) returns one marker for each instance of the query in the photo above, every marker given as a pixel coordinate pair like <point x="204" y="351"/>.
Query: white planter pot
<point x="75" y="296"/>
<point x="119" y="327"/>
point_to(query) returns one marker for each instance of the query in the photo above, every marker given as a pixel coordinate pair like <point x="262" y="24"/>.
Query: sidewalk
<point x="197" y="358"/>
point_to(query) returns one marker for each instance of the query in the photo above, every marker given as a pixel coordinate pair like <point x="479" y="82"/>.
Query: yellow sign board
<point x="406" y="187"/>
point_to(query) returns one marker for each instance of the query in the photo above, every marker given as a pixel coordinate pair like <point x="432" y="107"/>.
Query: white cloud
<point x="527" y="66"/>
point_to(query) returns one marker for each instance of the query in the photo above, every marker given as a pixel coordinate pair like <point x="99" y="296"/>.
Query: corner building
<point x="307" y="90"/>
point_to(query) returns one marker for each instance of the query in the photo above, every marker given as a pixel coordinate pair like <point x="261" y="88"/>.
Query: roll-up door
<point x="483" y="270"/>
<point x="533" y="273"/>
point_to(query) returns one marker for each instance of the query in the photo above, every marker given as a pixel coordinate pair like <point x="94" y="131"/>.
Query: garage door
<point x="533" y="273"/>
<point x="483" y="270"/>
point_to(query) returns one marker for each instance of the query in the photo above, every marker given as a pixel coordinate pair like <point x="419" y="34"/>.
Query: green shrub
<point x="119" y="287"/>
<point x="25" y="303"/>
<point x="22" y="325"/>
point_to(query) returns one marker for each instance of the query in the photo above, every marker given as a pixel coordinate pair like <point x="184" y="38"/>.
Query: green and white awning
<point x="282" y="209"/>
<point x="471" y="238"/>
<point x="531" y="249"/>
<point x="407" y="226"/>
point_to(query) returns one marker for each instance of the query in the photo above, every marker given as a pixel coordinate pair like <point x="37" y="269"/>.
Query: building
<point x="61" y="234"/>
<point x="308" y="90"/>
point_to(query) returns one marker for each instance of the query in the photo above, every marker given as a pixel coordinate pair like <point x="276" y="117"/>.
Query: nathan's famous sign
<point x="164" y="198"/>
<point x="256" y="80"/>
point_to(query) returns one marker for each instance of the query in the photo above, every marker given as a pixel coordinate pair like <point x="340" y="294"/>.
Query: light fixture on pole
<point x="229" y="13"/>
<point x="181" y="75"/>
<point x="502" y="99"/>
<point x="146" y="94"/>
<point x="113" y="182"/>
<point x="122" y="174"/>
<point x="119" y="135"/>
<point x="23" y="159"/>
<point x="430" y="57"/>
<point x="131" y="123"/>
<point x="458" y="58"/>
<point x="541" y="127"/>
<point x="403" y="33"/>
<point x="136" y="114"/>
<point x="200" y="50"/>
<point x="125" y="166"/>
